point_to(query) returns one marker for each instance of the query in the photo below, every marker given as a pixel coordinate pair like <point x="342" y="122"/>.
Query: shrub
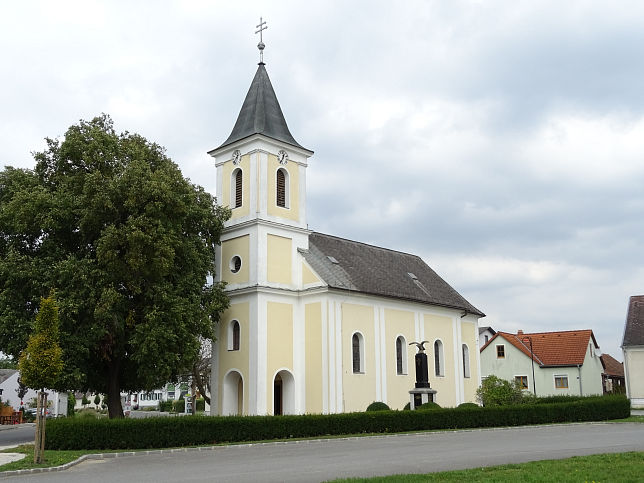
<point x="165" y="432"/>
<point x="469" y="405"/>
<point x="378" y="406"/>
<point x="407" y="407"/>
<point x="428" y="405"/>
<point x="179" y="406"/>
<point x="71" y="403"/>
<point x="498" y="392"/>
<point x="165" y="406"/>
<point x="200" y="404"/>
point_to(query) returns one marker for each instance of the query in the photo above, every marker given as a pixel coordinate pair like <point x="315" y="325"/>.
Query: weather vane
<point x="260" y="28"/>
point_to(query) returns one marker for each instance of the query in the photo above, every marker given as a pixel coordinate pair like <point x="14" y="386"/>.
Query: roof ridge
<point x="366" y="244"/>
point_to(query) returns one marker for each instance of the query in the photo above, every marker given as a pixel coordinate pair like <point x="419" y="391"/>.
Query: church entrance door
<point x="277" y="395"/>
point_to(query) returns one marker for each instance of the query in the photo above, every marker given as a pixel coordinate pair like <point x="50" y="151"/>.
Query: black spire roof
<point x="261" y="113"/>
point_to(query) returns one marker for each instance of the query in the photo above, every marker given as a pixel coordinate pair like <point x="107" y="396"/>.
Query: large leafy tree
<point x="108" y="220"/>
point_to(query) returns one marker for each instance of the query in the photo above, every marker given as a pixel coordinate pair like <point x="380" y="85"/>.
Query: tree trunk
<point x="114" y="407"/>
<point x="37" y="445"/>
<point x="44" y="425"/>
<point x="196" y="377"/>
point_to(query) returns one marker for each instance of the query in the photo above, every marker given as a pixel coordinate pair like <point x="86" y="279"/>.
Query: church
<point x="317" y="323"/>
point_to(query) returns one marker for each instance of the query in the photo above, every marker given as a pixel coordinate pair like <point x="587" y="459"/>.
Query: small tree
<point x="498" y="392"/>
<point x="84" y="401"/>
<point x="41" y="363"/>
<point x="97" y="401"/>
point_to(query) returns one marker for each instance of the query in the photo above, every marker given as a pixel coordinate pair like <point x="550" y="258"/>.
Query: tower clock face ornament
<point x="236" y="157"/>
<point x="282" y="156"/>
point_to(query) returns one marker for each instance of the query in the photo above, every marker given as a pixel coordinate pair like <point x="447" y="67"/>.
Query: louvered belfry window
<point x="281" y="189"/>
<point x="238" y="188"/>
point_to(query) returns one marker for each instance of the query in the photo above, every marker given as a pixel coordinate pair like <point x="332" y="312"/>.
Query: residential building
<point x="9" y="394"/>
<point x="633" y="348"/>
<point x="565" y="362"/>
<point x="613" y="380"/>
<point x="485" y="334"/>
<point x="319" y="323"/>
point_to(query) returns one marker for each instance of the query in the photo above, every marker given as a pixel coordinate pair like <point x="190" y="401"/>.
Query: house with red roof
<point x="633" y="347"/>
<point x="613" y="375"/>
<point x="546" y="363"/>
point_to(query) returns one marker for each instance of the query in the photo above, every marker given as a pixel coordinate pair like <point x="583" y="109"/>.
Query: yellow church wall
<point x="279" y="258"/>
<point x="439" y="327"/>
<point x="468" y="336"/>
<point x="359" y="389"/>
<point x="292" y="212"/>
<point x="398" y="322"/>
<point x="235" y="246"/>
<point x="224" y="198"/>
<point x="313" y="346"/>
<point x="308" y="276"/>
<point x="279" y="343"/>
<point x="229" y="359"/>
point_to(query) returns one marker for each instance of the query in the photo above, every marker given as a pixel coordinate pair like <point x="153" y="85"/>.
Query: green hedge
<point x="164" y="432"/>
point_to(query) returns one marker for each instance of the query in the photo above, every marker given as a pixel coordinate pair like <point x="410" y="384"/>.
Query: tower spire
<point x="260" y="28"/>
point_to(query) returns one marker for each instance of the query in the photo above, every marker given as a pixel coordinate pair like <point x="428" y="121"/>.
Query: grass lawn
<point x="622" y="467"/>
<point x="52" y="458"/>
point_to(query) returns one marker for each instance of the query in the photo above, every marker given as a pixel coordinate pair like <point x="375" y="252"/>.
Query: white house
<point x="633" y="347"/>
<point x="9" y="386"/>
<point x="566" y="362"/>
<point x="319" y="323"/>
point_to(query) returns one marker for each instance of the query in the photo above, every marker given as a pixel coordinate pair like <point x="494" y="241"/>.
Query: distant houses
<point x="546" y="363"/>
<point x="633" y="347"/>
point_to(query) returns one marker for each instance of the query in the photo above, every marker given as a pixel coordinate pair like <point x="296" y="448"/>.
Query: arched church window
<point x="438" y="358"/>
<point x="401" y="355"/>
<point x="233" y="336"/>
<point x="466" y="361"/>
<point x="357" y="346"/>
<point x="236" y="188"/>
<point x="282" y="193"/>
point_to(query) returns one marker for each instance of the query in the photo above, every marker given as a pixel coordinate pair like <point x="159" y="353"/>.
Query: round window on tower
<point x="235" y="264"/>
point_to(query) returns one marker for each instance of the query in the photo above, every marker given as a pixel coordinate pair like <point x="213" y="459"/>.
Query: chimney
<point x="520" y="332"/>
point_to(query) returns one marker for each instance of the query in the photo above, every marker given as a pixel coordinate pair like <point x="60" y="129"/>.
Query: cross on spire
<point x="260" y="28"/>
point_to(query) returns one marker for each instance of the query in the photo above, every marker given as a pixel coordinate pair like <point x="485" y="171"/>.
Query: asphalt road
<point x="382" y="455"/>
<point x="13" y="436"/>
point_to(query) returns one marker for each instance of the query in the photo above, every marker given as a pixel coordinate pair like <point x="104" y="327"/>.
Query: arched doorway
<point x="283" y="393"/>
<point x="233" y="394"/>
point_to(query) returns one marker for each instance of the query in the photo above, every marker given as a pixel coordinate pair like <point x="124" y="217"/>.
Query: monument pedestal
<point x="420" y="395"/>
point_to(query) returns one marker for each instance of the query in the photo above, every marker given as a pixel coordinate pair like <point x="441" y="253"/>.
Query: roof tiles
<point x="563" y="348"/>
<point x="634" y="329"/>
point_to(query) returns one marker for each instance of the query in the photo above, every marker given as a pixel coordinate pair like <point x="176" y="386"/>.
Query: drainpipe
<point x="581" y="392"/>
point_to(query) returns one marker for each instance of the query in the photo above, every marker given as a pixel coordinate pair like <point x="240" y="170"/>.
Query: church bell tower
<point x="261" y="177"/>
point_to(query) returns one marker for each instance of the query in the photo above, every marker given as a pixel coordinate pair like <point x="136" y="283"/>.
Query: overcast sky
<point x="501" y="141"/>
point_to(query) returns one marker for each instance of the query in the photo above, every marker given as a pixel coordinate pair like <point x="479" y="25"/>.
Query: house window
<point x="438" y="359"/>
<point x="282" y="188"/>
<point x="521" y="381"/>
<point x="401" y="355"/>
<point x="500" y="352"/>
<point x="561" y="382"/>
<point x="357" y="346"/>
<point x="487" y="338"/>
<point x="233" y="336"/>
<point x="236" y="188"/>
<point x="466" y="361"/>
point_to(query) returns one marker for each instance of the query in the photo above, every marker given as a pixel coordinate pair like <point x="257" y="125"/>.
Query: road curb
<point x="124" y="454"/>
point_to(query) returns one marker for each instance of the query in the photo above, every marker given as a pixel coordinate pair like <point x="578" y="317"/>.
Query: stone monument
<point x="422" y="392"/>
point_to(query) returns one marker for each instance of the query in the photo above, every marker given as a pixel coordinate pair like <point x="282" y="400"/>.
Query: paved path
<point x="382" y="455"/>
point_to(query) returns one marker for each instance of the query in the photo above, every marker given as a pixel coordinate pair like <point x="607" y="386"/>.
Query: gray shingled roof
<point x="6" y="374"/>
<point x="634" y="330"/>
<point x="378" y="271"/>
<point x="261" y="113"/>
